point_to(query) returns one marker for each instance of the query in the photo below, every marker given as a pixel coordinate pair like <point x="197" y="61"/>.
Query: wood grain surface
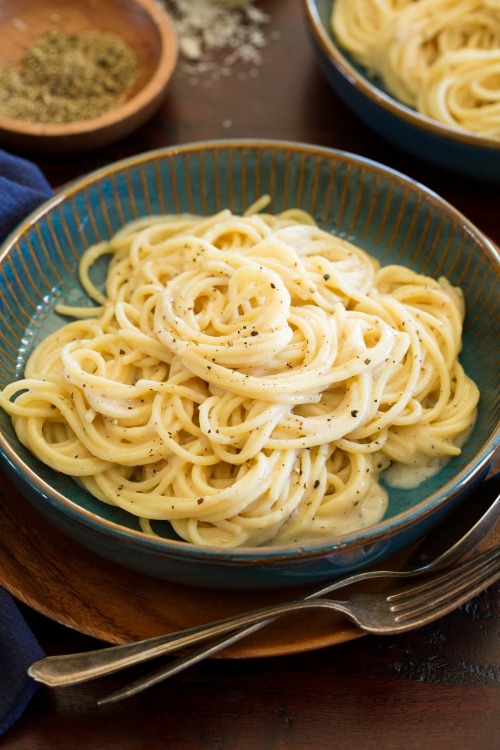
<point x="434" y="688"/>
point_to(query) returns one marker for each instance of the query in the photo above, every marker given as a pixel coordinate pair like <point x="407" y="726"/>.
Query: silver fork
<point x="382" y="613"/>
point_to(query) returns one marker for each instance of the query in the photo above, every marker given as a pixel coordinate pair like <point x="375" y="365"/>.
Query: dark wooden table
<point x="433" y="688"/>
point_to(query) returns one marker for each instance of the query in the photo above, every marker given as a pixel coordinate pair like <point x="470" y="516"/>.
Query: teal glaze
<point x="453" y="150"/>
<point x="389" y="215"/>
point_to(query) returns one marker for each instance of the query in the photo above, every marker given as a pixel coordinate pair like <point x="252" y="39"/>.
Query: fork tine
<point x="447" y="591"/>
<point x="439" y="579"/>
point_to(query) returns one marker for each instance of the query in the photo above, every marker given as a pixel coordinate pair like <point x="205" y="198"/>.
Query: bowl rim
<point x="379" y="97"/>
<point x="143" y="98"/>
<point x="398" y="524"/>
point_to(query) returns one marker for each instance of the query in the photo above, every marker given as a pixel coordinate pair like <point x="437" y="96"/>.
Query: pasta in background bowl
<point x="376" y="59"/>
<point x="380" y="212"/>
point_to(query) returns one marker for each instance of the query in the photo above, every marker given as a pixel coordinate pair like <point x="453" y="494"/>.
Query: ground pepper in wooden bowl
<point x="67" y="77"/>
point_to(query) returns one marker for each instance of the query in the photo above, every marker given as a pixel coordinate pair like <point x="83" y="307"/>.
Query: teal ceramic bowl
<point x="388" y="214"/>
<point x="458" y="151"/>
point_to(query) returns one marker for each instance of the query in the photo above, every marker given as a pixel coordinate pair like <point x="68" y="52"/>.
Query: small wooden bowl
<point x="142" y="24"/>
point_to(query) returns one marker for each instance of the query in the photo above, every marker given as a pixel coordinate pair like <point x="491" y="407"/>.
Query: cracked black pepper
<point x="68" y="77"/>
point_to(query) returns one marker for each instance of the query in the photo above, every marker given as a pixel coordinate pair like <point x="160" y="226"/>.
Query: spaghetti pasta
<point x="440" y="57"/>
<point x="248" y="379"/>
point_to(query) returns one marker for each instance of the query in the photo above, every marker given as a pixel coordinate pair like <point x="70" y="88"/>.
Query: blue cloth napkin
<point x="18" y="650"/>
<point x="22" y="188"/>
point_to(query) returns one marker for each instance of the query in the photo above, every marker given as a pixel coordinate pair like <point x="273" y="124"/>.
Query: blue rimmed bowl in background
<point x="456" y="150"/>
<point x="387" y="214"/>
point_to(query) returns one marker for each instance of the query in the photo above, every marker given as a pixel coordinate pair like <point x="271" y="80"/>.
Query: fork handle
<point x="71" y="669"/>
<point x="179" y="665"/>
